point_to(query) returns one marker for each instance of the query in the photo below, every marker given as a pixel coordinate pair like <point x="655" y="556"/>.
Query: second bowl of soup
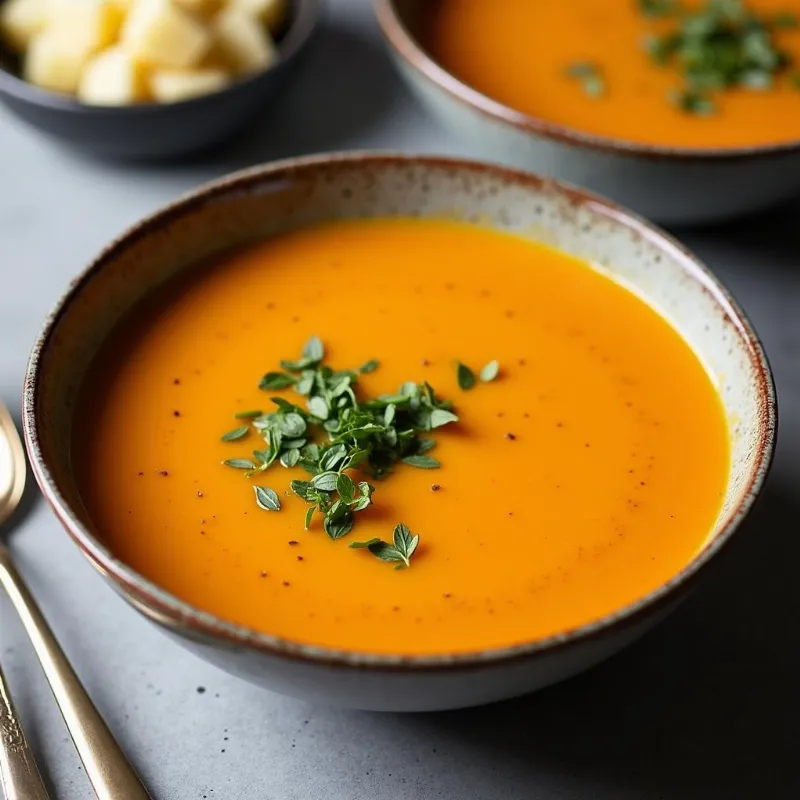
<point x="399" y="433"/>
<point x="687" y="112"/>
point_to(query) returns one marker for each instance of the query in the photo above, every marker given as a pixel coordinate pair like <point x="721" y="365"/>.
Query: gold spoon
<point x="111" y="776"/>
<point x="19" y="777"/>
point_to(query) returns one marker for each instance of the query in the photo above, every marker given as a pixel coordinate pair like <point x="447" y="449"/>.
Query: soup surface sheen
<point x="609" y="487"/>
<point x="517" y="51"/>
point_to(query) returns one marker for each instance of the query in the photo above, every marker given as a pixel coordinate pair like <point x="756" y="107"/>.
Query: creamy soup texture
<point x="588" y="473"/>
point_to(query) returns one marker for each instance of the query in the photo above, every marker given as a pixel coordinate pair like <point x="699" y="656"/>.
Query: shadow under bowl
<point x="672" y="185"/>
<point x="153" y="131"/>
<point x="263" y="201"/>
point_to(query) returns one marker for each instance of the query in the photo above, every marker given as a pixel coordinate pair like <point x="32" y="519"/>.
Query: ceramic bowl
<point x="671" y="185"/>
<point x="257" y="203"/>
<point x="155" y="131"/>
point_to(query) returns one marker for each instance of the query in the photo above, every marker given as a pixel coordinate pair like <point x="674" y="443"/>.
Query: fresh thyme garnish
<point x="719" y="46"/>
<point x="337" y="432"/>
<point x="405" y="544"/>
<point x="590" y="77"/>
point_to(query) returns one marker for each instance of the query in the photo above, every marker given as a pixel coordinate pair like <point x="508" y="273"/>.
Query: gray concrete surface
<point x="705" y="707"/>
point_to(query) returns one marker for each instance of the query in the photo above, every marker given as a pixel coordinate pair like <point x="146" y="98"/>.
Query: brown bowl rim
<point x="161" y="605"/>
<point x="289" y="46"/>
<point x="411" y="51"/>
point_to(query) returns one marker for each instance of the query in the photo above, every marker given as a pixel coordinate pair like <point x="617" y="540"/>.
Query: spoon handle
<point x="111" y="776"/>
<point x="19" y="776"/>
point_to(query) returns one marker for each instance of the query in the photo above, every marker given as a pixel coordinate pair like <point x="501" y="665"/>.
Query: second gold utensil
<point x="111" y="776"/>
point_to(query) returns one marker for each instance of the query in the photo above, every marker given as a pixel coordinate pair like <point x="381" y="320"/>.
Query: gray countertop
<point x="706" y="707"/>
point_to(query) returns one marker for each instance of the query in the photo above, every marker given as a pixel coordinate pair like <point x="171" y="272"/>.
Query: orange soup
<point x="586" y="473"/>
<point x="520" y="53"/>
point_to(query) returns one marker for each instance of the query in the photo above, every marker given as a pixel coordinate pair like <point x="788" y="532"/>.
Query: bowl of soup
<point x="396" y="432"/>
<point x="686" y="112"/>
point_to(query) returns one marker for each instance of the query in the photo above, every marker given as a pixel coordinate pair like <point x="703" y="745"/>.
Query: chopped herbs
<point x="331" y="430"/>
<point x="403" y="548"/>
<point x="590" y="77"/>
<point x="237" y="433"/>
<point x="466" y="377"/>
<point x="720" y="45"/>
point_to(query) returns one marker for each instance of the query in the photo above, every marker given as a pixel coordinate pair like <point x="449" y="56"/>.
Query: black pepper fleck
<point x="436" y="487"/>
<point x="511" y="437"/>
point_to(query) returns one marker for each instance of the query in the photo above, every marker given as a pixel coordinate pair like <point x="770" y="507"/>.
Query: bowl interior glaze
<point x="260" y="202"/>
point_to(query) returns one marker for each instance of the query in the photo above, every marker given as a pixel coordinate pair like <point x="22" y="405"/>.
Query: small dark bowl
<point x="156" y="131"/>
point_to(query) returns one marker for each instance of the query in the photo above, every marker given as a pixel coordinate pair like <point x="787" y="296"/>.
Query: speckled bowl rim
<point x="292" y="42"/>
<point x="409" y="49"/>
<point x="160" y="604"/>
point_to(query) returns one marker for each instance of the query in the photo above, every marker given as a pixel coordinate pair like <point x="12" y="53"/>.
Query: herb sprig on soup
<point x="585" y="469"/>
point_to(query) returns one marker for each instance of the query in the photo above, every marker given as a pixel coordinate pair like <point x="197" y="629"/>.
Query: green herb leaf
<point x="247" y="414"/>
<point x="239" y="463"/>
<point x="345" y="487"/>
<point x="236" y="433"/>
<point x="275" y="380"/>
<point x="338" y="522"/>
<point x="422" y="462"/>
<point x="318" y="407"/>
<point x="590" y="77"/>
<point x="440" y="417"/>
<point x="326" y="481"/>
<point x="267" y="499"/>
<point x="368" y="366"/>
<point x="466" y="377"/>
<point x="301" y="489"/>
<point x="293" y="425"/>
<point x="314" y="349"/>
<point x="404" y="546"/>
<point x="290" y="457"/>
<point x="309" y="516"/>
<point x="490" y="371"/>
<point x="364" y="545"/>
<point x="692" y="102"/>
<point x="333" y="457"/>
